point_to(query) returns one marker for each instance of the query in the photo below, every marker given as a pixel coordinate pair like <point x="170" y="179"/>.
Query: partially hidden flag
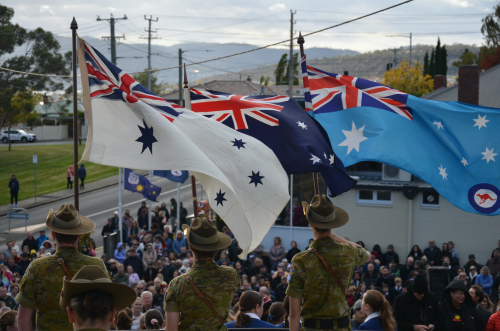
<point x="178" y="176"/>
<point x="140" y="184"/>
<point x="299" y="142"/>
<point x="452" y="146"/>
<point x="129" y="126"/>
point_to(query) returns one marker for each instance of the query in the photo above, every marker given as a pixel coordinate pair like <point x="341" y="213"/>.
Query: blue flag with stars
<point x="299" y="142"/>
<point x="137" y="183"/>
<point x="178" y="176"/>
<point x="452" y="146"/>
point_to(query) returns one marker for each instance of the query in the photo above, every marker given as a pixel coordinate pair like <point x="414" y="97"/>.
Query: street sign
<point x="35" y="159"/>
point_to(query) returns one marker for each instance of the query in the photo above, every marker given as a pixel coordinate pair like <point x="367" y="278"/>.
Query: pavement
<point x="43" y="142"/>
<point x="98" y="201"/>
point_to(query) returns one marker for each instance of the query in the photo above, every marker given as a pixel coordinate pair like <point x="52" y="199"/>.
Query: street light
<point x="397" y="35"/>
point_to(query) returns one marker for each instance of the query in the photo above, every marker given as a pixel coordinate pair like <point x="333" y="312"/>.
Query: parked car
<point x="17" y="135"/>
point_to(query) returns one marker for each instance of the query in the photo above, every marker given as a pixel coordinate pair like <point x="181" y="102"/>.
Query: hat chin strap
<point x="67" y="225"/>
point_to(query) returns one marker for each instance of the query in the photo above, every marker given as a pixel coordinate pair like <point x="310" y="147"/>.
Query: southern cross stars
<point x="464" y="161"/>
<point x="442" y="172"/>
<point x="147" y="139"/>
<point x="315" y="159"/>
<point x="480" y="121"/>
<point x="439" y="125"/>
<point x="220" y="198"/>
<point x="489" y="155"/>
<point x="238" y="143"/>
<point x="256" y="178"/>
<point x="302" y="125"/>
<point x="353" y="138"/>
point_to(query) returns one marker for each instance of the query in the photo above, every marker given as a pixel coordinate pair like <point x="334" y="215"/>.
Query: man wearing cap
<point x="44" y="277"/>
<point x="151" y="272"/>
<point x="320" y="275"/>
<point x="24" y="262"/>
<point x="115" y="219"/>
<point x="358" y="316"/>
<point x="201" y="298"/>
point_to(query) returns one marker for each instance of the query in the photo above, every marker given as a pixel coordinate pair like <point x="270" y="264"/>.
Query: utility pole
<point x="290" y="64"/>
<point x="395" y="61"/>
<point x="112" y="37"/>
<point x="180" y="77"/>
<point x="150" y="19"/>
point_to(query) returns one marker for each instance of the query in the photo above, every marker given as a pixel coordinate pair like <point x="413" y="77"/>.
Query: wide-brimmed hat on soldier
<point x="67" y="220"/>
<point x="203" y="235"/>
<point x="92" y="277"/>
<point x="322" y="214"/>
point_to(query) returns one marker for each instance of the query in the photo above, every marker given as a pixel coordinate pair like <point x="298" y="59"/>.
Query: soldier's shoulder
<point x="299" y="257"/>
<point x="228" y="270"/>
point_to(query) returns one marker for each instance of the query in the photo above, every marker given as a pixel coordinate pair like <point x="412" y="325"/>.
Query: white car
<point x="17" y="135"/>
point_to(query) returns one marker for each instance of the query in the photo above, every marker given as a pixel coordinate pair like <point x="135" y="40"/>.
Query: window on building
<point x="430" y="199"/>
<point x="365" y="169"/>
<point x="372" y="197"/>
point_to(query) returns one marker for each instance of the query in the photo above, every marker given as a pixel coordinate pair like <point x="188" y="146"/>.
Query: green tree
<point x="280" y="70"/>
<point x="426" y="63"/>
<point x="142" y="78"/>
<point x="432" y="64"/>
<point x="467" y="58"/>
<point x="41" y="55"/>
<point x="295" y="71"/>
<point x="491" y="28"/>
<point x="444" y="62"/>
<point x="21" y="109"/>
<point x="264" y="81"/>
<point x="437" y="59"/>
<point x="409" y="79"/>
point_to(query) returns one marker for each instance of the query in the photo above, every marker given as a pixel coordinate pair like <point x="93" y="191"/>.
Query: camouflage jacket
<point x="218" y="284"/>
<point x="310" y="281"/>
<point x="41" y="287"/>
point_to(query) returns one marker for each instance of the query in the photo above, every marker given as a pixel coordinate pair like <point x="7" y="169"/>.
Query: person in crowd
<point x="415" y="253"/>
<point x="121" y="276"/>
<point x="91" y="299"/>
<point x="132" y="275"/>
<point x="472" y="263"/>
<point x="136" y="313"/>
<point x="280" y="290"/>
<point x="459" y="311"/>
<point x="378" y="313"/>
<point x="143" y="220"/>
<point x="487" y="304"/>
<point x="323" y="299"/>
<point x="477" y="295"/>
<point x="126" y="224"/>
<point x="493" y="252"/>
<point x="182" y="214"/>
<point x="239" y="268"/>
<point x="120" y="254"/>
<point x="112" y="267"/>
<point x="14" y="291"/>
<point x="167" y="269"/>
<point x="253" y="256"/>
<point x="151" y="272"/>
<point x="385" y="278"/>
<point x="432" y="253"/>
<point x="133" y="232"/>
<point x="123" y="319"/>
<point x="494" y="322"/>
<point x="376" y="252"/>
<point x="445" y="252"/>
<point x="70" y="176"/>
<point x="463" y="278"/>
<point x="349" y="296"/>
<point x="453" y="273"/>
<point x="164" y="209"/>
<point x="389" y="256"/>
<point x="494" y="263"/>
<point x="14" y="190"/>
<point x="24" y="262"/>
<point x="473" y="274"/>
<point x="361" y="291"/>
<point x="149" y="255"/>
<point x="179" y="241"/>
<point x="86" y="250"/>
<point x="9" y="301"/>
<point x="407" y="269"/>
<point x="297" y="213"/>
<point x="370" y="276"/>
<point x="135" y="262"/>
<point x="396" y="291"/>
<point x="30" y="241"/>
<point x="454" y="253"/>
<point x="157" y="295"/>
<point x="256" y="269"/>
<point x="394" y="269"/>
<point x="277" y="314"/>
<point x="251" y="311"/>
<point x="276" y="253"/>
<point x="417" y="309"/>
<point x="41" y="238"/>
<point x="485" y="280"/>
<point x="358" y="315"/>
<point x="292" y="251"/>
<point x="184" y="254"/>
<point x="82" y="173"/>
<point x="108" y="228"/>
<point x="356" y="280"/>
<point x="7" y="252"/>
<point x="8" y="321"/>
<point x="147" y="302"/>
<point x="159" y="244"/>
<point x="173" y="213"/>
<point x="183" y="307"/>
<point x="143" y="206"/>
<point x="153" y="320"/>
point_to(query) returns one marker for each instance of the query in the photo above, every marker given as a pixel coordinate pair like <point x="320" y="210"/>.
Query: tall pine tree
<point x="295" y="71"/>
<point x="431" y="64"/>
<point x="426" y="63"/>
<point x="437" y="59"/>
<point x="444" y="62"/>
<point x="280" y="70"/>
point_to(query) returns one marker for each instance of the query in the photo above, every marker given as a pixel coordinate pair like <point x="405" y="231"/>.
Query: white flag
<point x="129" y="126"/>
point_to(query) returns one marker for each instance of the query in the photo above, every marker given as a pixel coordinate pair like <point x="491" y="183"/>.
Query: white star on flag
<point x="332" y="159"/>
<point x="442" y="172"/>
<point x="480" y="121"/>
<point x="315" y="159"/>
<point x="439" y="125"/>
<point x="489" y="155"/>
<point x="353" y="138"/>
<point x="464" y="161"/>
<point x="301" y="124"/>
<point x="324" y="154"/>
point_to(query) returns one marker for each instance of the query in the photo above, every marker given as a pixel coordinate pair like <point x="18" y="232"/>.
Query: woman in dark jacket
<point x="444" y="252"/>
<point x="415" y="253"/>
<point x="294" y="250"/>
<point x="417" y="307"/>
<point x="459" y="310"/>
<point x="377" y="252"/>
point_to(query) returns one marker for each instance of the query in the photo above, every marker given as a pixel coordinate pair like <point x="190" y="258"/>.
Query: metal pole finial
<point x="301" y="41"/>
<point x="185" y="77"/>
<point x="74" y="25"/>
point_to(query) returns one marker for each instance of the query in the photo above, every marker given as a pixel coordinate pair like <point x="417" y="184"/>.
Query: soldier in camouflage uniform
<point x="311" y="285"/>
<point x="42" y="283"/>
<point x="185" y="308"/>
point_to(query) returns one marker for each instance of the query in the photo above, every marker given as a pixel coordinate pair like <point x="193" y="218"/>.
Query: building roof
<point x="56" y="108"/>
<point x="489" y="90"/>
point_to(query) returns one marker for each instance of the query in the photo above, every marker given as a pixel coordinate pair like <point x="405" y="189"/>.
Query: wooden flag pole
<point x="301" y="42"/>
<point x="187" y="104"/>
<point x="74" y="27"/>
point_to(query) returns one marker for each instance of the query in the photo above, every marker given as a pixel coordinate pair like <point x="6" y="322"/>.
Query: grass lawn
<point x="53" y="162"/>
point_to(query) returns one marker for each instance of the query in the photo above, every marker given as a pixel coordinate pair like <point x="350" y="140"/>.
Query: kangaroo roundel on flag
<point x="484" y="198"/>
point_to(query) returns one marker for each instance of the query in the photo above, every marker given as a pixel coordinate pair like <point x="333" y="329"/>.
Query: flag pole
<point x="187" y="105"/>
<point x="120" y="225"/>
<point x="74" y="27"/>
<point x="301" y="42"/>
<point x="178" y="204"/>
<point x="149" y="205"/>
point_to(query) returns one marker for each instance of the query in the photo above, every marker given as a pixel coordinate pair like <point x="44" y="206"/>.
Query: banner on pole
<point x="178" y="176"/>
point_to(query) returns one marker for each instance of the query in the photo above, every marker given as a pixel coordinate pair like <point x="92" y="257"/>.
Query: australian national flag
<point x="299" y="142"/>
<point x="452" y="146"/>
<point x="137" y="183"/>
